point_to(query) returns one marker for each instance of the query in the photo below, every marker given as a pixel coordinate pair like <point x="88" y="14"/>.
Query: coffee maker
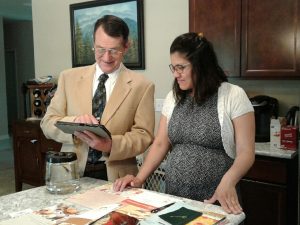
<point x="265" y="108"/>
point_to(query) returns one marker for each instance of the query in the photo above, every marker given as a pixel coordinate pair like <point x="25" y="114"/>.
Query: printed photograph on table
<point x="58" y="213"/>
<point x="83" y="17"/>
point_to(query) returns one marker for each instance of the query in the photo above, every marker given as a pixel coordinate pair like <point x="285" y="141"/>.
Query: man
<point x="128" y="113"/>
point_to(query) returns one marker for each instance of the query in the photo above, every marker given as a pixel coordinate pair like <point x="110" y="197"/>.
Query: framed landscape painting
<point x="83" y="17"/>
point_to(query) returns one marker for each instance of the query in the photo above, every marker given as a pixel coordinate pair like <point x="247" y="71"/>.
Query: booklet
<point x="118" y="218"/>
<point x="183" y="213"/>
<point x="209" y="218"/>
<point x="70" y="128"/>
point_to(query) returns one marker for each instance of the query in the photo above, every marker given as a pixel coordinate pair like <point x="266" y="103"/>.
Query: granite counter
<point x="38" y="198"/>
<point x="265" y="150"/>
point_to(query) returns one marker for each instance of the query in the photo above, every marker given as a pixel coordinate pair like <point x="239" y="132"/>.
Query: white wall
<point x="51" y="35"/>
<point x="163" y="21"/>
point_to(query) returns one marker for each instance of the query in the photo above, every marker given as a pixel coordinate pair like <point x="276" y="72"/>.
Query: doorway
<point x="11" y="88"/>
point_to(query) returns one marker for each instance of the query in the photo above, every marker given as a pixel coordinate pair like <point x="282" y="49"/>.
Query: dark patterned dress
<point x="197" y="161"/>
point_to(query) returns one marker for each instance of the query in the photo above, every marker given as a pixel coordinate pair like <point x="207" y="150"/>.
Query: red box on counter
<point x="289" y="137"/>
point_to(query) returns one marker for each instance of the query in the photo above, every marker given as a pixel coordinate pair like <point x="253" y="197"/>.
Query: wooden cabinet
<point x="252" y="39"/>
<point x="30" y="147"/>
<point x="269" y="192"/>
<point x="219" y="21"/>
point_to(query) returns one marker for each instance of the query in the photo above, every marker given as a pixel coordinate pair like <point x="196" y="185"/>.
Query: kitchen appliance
<point x="62" y="175"/>
<point x="265" y="108"/>
<point x="292" y="116"/>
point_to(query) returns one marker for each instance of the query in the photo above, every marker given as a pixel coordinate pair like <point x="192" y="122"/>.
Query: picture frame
<point x="83" y="17"/>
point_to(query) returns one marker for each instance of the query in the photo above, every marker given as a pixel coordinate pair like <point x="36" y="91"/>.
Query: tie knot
<point x="103" y="77"/>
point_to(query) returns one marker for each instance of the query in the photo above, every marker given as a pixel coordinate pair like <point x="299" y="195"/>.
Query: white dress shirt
<point x="110" y="82"/>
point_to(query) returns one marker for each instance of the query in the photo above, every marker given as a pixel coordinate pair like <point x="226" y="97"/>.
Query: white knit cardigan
<point x="232" y="102"/>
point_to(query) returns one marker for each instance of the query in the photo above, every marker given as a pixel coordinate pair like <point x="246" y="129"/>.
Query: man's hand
<point x="95" y="141"/>
<point x="86" y="118"/>
<point x="92" y="140"/>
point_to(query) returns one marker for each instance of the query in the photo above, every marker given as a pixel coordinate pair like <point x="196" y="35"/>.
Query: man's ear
<point x="127" y="45"/>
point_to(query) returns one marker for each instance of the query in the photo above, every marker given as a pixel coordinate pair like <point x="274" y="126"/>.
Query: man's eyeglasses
<point x="111" y="51"/>
<point x="178" y="68"/>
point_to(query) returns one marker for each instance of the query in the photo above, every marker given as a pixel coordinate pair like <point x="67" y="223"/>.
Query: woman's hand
<point x="227" y="196"/>
<point x="244" y="131"/>
<point x="129" y="180"/>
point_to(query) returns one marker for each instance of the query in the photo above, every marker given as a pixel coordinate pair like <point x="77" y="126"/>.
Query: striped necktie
<point x="98" y="105"/>
<point x="99" y="99"/>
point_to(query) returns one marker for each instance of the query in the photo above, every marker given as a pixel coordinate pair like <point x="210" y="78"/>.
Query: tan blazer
<point x="128" y="115"/>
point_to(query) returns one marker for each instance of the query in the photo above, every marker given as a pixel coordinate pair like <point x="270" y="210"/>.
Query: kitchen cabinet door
<point x="27" y="162"/>
<point x="263" y="203"/>
<point x="30" y="148"/>
<point x="270" y="191"/>
<point x="270" y="39"/>
<point x="219" y="21"/>
<point x="252" y="39"/>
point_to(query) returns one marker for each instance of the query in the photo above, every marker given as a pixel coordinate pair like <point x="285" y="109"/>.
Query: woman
<point x="208" y="126"/>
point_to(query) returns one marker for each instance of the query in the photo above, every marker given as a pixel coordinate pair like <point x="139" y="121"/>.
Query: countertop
<point x="38" y="198"/>
<point x="265" y="150"/>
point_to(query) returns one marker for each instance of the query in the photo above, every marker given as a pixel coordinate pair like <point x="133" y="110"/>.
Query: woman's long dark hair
<point x="207" y="75"/>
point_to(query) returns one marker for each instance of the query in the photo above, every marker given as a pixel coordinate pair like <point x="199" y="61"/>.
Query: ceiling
<point x="16" y="9"/>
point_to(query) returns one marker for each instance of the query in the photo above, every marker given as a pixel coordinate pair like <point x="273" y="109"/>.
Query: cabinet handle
<point x="33" y="141"/>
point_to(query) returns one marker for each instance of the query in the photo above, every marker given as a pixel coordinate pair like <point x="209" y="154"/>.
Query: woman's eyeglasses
<point x="178" y="68"/>
<point x="111" y="51"/>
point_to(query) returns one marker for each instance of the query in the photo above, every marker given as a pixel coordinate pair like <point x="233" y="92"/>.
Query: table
<point x="38" y="198"/>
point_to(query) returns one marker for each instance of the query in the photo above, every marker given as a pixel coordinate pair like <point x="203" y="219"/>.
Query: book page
<point x="96" y="198"/>
<point x="105" y="195"/>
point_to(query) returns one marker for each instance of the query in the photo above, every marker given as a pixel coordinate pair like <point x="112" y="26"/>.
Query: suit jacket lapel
<point x="120" y="92"/>
<point x="84" y="89"/>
